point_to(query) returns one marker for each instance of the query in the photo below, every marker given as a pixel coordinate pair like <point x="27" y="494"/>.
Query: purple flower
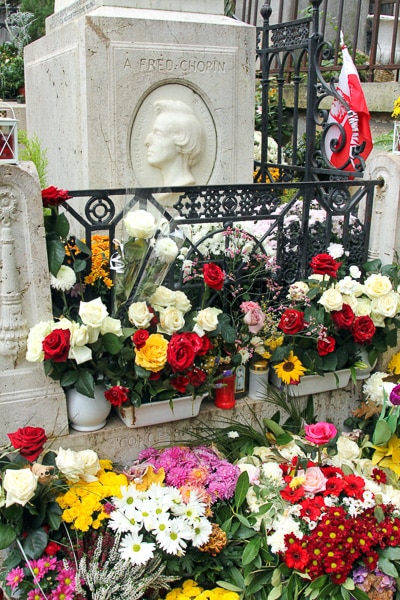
<point x="395" y="395"/>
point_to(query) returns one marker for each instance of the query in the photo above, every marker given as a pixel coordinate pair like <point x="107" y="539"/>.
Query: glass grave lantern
<point x="8" y="134"/>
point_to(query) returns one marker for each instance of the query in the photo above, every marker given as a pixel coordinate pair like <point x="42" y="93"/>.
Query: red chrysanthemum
<point x="378" y="475"/>
<point x="296" y="557"/>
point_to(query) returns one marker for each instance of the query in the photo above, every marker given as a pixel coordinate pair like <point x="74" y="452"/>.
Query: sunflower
<point x="290" y="369"/>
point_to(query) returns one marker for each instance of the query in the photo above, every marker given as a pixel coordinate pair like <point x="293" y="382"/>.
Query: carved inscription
<point x="185" y="65"/>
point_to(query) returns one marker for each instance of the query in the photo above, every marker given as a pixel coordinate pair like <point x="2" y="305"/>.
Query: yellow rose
<point x="153" y="355"/>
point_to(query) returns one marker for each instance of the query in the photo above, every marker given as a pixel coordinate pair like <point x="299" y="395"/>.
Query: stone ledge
<point x="122" y="444"/>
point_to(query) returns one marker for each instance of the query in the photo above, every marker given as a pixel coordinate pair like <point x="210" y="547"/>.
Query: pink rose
<point x="254" y="319"/>
<point x="320" y="433"/>
<point x="315" y="480"/>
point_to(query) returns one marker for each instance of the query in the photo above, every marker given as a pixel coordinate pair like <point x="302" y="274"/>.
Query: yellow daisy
<point x="290" y="370"/>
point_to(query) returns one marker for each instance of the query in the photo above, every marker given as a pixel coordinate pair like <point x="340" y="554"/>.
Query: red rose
<point x="324" y="264"/>
<point x="139" y="337"/>
<point x="213" y="276"/>
<point x="117" y="395"/>
<point x="56" y="345"/>
<point x="180" y="352"/>
<point x="292" y="321"/>
<point x="52" y="548"/>
<point x="52" y="196"/>
<point x="154" y="376"/>
<point x="29" y="441"/>
<point x="206" y="345"/>
<point x="197" y="377"/>
<point x="180" y="383"/>
<point x="326" y="346"/>
<point x="344" y="318"/>
<point x="363" y="329"/>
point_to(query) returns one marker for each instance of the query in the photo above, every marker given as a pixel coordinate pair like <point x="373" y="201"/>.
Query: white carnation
<point x="64" y="280"/>
<point x="166" y="250"/>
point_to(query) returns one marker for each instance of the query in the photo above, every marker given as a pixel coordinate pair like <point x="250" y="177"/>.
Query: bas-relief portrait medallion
<point x="173" y="139"/>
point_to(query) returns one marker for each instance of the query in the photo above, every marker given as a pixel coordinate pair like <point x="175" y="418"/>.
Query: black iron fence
<point x="370" y="27"/>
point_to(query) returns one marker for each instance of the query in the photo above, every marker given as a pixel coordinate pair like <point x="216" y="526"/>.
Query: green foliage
<point x="273" y="112"/>
<point x="41" y="9"/>
<point x="11" y="71"/>
<point x="33" y="151"/>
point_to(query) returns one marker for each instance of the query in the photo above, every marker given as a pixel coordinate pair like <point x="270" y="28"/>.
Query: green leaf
<point x="55" y="255"/>
<point x="391" y="553"/>
<point x="112" y="343"/>
<point x="276" y="429"/>
<point x="229" y="586"/>
<point x="359" y="594"/>
<point x="62" y="226"/>
<point x="85" y="383"/>
<point x="251" y="551"/>
<point x="82" y="247"/>
<point x="53" y="515"/>
<point x="7" y="535"/>
<point x="382" y="433"/>
<point x="35" y="543"/>
<point x="241" y="490"/>
<point x="69" y="378"/>
<point x="387" y="567"/>
<point x="79" y="265"/>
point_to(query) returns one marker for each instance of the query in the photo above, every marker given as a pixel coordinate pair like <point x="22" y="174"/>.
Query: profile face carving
<point x="175" y="144"/>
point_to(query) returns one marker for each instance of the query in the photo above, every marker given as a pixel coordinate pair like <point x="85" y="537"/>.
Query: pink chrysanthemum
<point x="14" y="577"/>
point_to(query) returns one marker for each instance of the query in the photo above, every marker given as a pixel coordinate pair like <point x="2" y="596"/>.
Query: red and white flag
<point x="354" y="119"/>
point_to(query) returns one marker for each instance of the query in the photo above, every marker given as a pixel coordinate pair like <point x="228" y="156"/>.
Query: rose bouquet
<point x="173" y="350"/>
<point x="76" y="352"/>
<point x="332" y="320"/>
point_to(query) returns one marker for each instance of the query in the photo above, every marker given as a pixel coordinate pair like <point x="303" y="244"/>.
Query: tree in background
<point x="41" y="9"/>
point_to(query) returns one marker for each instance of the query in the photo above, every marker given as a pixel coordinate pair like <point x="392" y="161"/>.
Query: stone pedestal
<point x="94" y="81"/>
<point x="27" y="397"/>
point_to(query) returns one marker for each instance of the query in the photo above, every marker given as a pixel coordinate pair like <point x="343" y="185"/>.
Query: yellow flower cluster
<point x="82" y="504"/>
<point x="394" y="365"/>
<point x="100" y="261"/>
<point x="396" y="109"/>
<point x="190" y="590"/>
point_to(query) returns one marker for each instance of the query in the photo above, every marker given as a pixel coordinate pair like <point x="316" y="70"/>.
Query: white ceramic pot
<point x="315" y="384"/>
<point x="154" y="413"/>
<point x="87" y="414"/>
<point x="365" y="373"/>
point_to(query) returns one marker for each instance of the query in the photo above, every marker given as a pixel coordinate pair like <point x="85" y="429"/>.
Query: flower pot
<point x="224" y="393"/>
<point x="87" y="414"/>
<point x="154" y="413"/>
<point x="365" y="373"/>
<point x="315" y="384"/>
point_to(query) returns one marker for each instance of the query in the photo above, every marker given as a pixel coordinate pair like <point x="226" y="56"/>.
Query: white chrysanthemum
<point x="373" y="387"/>
<point x="335" y="250"/>
<point x="348" y="286"/>
<point x="133" y="548"/>
<point x="64" y="280"/>
<point x="202" y="530"/>
<point x="282" y="526"/>
<point x="121" y="523"/>
<point x="166" y="250"/>
<point x="273" y="472"/>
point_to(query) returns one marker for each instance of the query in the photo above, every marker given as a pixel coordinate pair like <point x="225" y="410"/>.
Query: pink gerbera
<point x="14" y="577"/>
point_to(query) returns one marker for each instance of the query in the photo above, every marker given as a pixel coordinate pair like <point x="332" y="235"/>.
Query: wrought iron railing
<point x="363" y="33"/>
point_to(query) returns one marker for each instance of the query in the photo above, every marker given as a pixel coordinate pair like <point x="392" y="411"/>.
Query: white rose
<point x="91" y="464"/>
<point x="111" y="325"/>
<point x="70" y="463"/>
<point x="377" y="319"/>
<point x="163" y="296"/>
<point x="331" y="300"/>
<point x="347" y="449"/>
<point x="182" y="302"/>
<point x="79" y="334"/>
<point x="351" y="301"/>
<point x="377" y="285"/>
<point x="355" y="272"/>
<point x="140" y="224"/>
<point x="363" y="307"/>
<point x="171" y="320"/>
<point x="36" y="336"/>
<point x="80" y="354"/>
<point x="206" y="320"/>
<point x="93" y="313"/>
<point x="386" y="305"/>
<point x="20" y="485"/>
<point x="166" y="250"/>
<point x="298" y="290"/>
<point x="139" y="315"/>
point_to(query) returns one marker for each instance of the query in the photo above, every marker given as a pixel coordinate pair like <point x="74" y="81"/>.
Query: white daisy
<point x="202" y="530"/>
<point x="64" y="280"/>
<point x="173" y="539"/>
<point x="120" y="522"/>
<point x="133" y="548"/>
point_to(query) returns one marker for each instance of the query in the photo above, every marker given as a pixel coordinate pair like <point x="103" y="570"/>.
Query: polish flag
<point x="353" y="116"/>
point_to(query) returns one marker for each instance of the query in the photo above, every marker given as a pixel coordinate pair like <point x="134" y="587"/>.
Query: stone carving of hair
<point x="184" y="128"/>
